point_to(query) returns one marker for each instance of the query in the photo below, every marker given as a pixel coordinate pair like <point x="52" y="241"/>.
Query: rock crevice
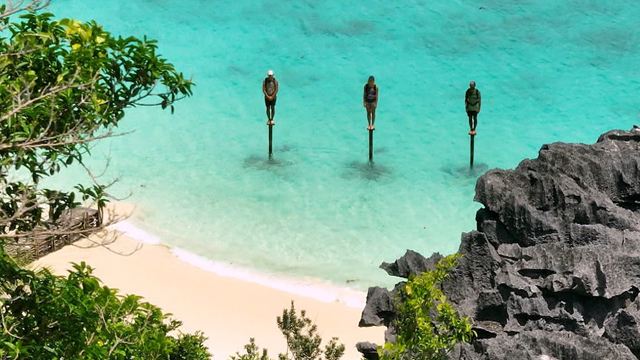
<point x="553" y="267"/>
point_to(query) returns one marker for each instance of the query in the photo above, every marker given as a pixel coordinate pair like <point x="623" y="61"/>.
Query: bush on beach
<point x="75" y="317"/>
<point x="303" y="341"/>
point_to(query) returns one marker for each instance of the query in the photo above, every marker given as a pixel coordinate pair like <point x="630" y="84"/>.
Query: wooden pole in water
<point x="370" y="145"/>
<point x="270" y="140"/>
<point x="471" y="143"/>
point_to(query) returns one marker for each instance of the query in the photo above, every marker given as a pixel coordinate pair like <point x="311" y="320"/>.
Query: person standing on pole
<point x="270" y="91"/>
<point x="370" y="101"/>
<point x="472" y="102"/>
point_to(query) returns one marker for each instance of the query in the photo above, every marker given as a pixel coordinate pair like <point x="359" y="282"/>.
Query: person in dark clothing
<point x="472" y="103"/>
<point x="370" y="101"/>
<point x="270" y="91"/>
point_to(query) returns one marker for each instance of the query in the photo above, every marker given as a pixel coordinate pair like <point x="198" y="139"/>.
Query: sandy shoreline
<point x="228" y="310"/>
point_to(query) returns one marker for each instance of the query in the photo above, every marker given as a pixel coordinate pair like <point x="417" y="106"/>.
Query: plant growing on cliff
<point x="427" y="325"/>
<point x="303" y="341"/>
<point x="64" y="84"/>
<point x="49" y="317"/>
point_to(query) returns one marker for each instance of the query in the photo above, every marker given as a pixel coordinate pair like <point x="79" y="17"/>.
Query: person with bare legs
<point x="370" y="101"/>
<point x="472" y="103"/>
<point x="270" y="91"/>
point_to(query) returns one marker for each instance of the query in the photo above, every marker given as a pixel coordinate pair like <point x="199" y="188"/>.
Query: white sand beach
<point x="228" y="310"/>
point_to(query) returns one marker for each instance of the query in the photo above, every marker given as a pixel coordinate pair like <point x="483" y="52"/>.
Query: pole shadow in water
<point x="465" y="172"/>
<point x="268" y="163"/>
<point x="366" y="171"/>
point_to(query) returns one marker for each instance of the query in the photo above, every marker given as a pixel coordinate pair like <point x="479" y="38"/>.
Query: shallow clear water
<point x="548" y="71"/>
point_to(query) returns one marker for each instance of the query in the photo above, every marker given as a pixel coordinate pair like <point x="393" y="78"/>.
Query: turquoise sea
<point x="557" y="70"/>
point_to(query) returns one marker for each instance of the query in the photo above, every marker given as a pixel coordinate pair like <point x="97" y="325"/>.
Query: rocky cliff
<point x="553" y="269"/>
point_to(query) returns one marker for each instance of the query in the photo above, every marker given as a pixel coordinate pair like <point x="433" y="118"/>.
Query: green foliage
<point x="63" y="84"/>
<point x="189" y="347"/>
<point x="252" y="352"/>
<point x="427" y="325"/>
<point x="50" y="317"/>
<point x="303" y="341"/>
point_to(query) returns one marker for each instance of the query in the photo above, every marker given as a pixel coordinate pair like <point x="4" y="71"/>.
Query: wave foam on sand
<point x="229" y="304"/>
<point x="314" y="289"/>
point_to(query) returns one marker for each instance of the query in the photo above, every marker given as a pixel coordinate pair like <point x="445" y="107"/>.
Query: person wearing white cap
<point x="270" y="91"/>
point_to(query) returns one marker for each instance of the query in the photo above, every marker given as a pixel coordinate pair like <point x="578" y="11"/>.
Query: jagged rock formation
<point x="553" y="268"/>
<point x="410" y="264"/>
<point x="70" y="227"/>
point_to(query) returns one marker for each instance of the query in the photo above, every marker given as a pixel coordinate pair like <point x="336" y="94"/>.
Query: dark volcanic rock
<point x="624" y="328"/>
<point x="538" y="344"/>
<point x="379" y="309"/>
<point x="475" y="273"/>
<point x="553" y="270"/>
<point x="368" y="350"/>
<point x="464" y="351"/>
<point x="72" y="225"/>
<point x="411" y="263"/>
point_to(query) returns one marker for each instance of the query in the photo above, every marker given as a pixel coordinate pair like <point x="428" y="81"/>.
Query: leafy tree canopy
<point x="63" y="84"/>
